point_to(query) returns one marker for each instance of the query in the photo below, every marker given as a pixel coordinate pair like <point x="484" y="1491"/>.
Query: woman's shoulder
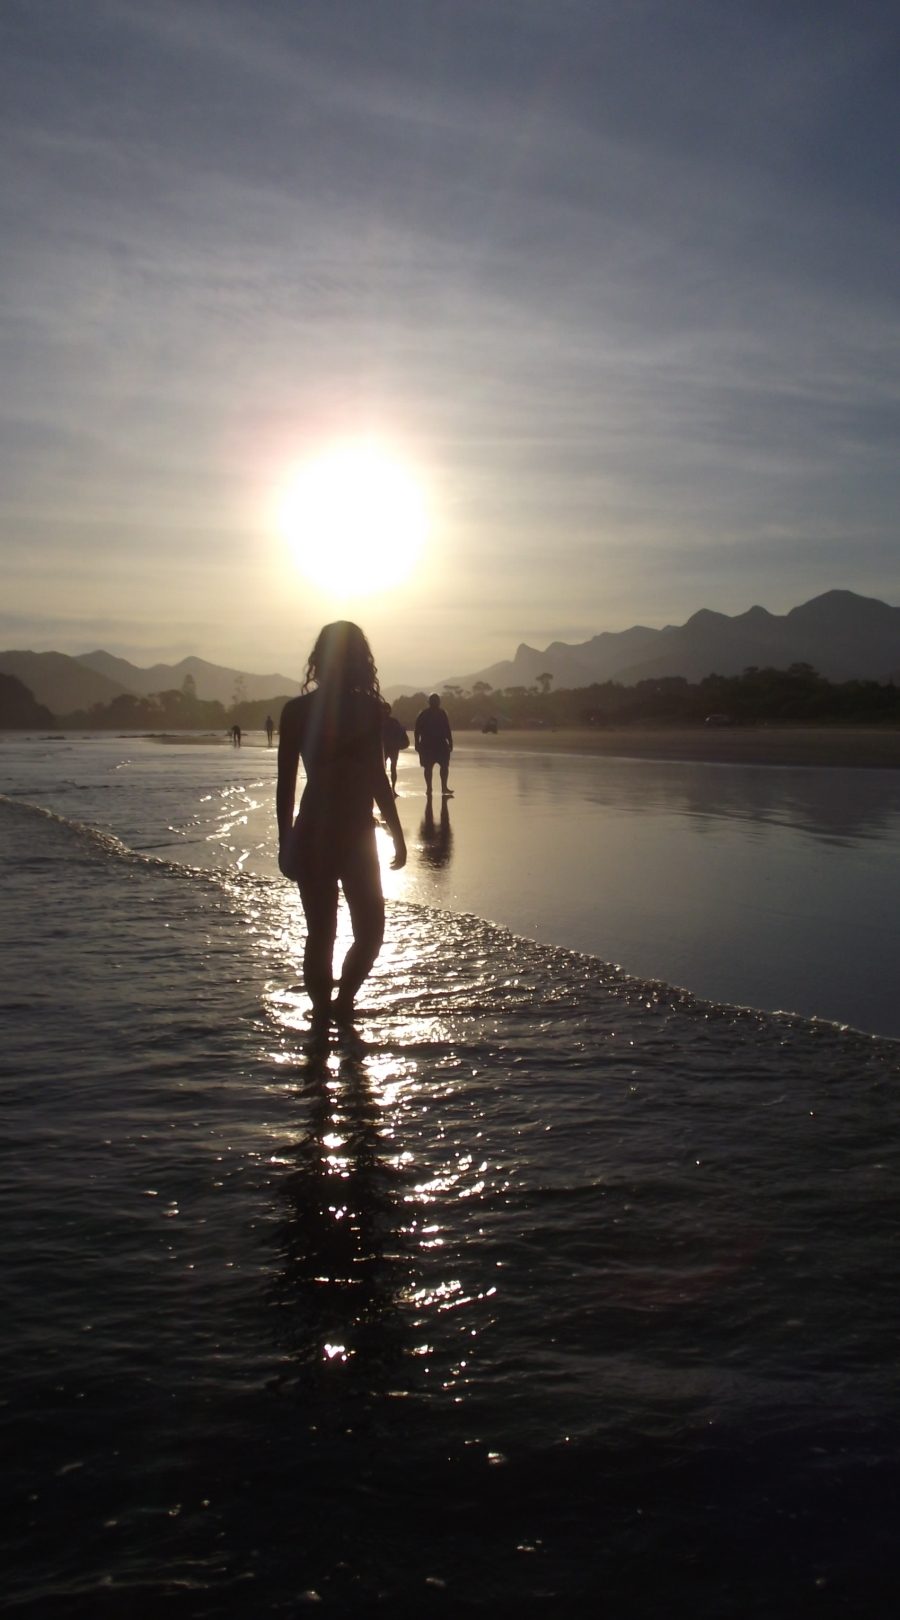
<point x="353" y="713"/>
<point x="370" y="708"/>
<point x="294" y="713"/>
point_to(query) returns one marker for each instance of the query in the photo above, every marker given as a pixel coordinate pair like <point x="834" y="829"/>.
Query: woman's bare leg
<point x="361" y="882"/>
<point x="319" y="895"/>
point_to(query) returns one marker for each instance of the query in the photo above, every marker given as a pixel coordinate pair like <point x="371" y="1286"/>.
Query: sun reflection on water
<point x="367" y="1174"/>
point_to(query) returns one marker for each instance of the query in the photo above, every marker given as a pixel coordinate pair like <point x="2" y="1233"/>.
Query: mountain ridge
<point x="212" y="681"/>
<point x="66" y="684"/>
<point x="51" y="676"/>
<point x="843" y="635"/>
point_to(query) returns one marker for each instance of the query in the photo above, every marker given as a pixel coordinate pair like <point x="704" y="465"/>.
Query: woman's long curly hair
<point x="342" y="660"/>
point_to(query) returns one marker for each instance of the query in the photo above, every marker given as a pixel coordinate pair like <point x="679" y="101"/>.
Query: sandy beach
<point x="875" y="747"/>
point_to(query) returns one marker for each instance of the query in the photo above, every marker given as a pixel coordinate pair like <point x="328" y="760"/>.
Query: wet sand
<point x="872" y="746"/>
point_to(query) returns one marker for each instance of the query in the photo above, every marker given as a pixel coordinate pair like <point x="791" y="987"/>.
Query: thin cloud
<point x="622" y="277"/>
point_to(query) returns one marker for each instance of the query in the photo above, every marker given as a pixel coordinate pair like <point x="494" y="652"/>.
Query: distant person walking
<point x="336" y="729"/>
<point x="395" y="737"/>
<point x="270" y="730"/>
<point x="236" y="736"/>
<point x="434" y="743"/>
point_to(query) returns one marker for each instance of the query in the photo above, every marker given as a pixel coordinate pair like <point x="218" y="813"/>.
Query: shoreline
<point x="862" y="747"/>
<point x="865" y="747"/>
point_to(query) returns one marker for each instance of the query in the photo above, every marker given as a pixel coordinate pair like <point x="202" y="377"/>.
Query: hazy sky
<point x="617" y="278"/>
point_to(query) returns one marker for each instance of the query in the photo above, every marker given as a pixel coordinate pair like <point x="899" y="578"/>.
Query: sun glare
<point x="355" y="519"/>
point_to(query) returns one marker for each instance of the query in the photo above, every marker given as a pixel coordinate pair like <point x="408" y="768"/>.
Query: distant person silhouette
<point x="337" y="731"/>
<point x="395" y="737"/>
<point x="236" y="736"/>
<point x="434" y="743"/>
<point x="270" y="730"/>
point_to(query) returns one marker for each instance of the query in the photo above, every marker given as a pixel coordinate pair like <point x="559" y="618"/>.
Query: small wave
<point x="109" y="844"/>
<point x="105" y="841"/>
<point x="562" y="977"/>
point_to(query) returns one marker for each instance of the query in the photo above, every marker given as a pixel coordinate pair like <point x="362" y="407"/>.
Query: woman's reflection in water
<point x="436" y="838"/>
<point x="344" y="1267"/>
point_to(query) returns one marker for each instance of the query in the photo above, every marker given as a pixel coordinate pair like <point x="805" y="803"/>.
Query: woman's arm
<point x="288" y="761"/>
<point x="383" y="794"/>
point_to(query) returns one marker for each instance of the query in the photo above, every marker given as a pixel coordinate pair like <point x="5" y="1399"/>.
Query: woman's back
<point x="338" y="735"/>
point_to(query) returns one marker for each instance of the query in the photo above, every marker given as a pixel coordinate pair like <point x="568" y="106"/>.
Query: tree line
<point x="797" y="695"/>
<point x="178" y="709"/>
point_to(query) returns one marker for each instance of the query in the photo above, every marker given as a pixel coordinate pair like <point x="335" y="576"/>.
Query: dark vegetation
<point x="19" y="709"/>
<point x="179" y="709"/>
<point x="164" y="711"/>
<point x="794" y="696"/>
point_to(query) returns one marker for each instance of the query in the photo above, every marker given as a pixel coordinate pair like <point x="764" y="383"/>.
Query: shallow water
<point x="570" y="1294"/>
<point x="763" y="886"/>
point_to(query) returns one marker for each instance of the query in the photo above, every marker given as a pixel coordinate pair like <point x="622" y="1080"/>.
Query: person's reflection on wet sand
<point x="343" y="1265"/>
<point x="436" y="839"/>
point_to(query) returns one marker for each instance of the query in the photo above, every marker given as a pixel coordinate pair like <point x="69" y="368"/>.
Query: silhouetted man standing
<point x="434" y="743"/>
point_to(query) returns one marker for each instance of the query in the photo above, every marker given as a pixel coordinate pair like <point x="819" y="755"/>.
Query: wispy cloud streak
<point x="621" y="278"/>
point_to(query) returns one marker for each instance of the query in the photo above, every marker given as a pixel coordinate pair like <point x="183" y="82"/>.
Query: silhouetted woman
<point x="336" y="729"/>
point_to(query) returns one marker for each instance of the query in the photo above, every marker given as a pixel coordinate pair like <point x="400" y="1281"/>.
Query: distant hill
<point x="212" y="681"/>
<point x="18" y="707"/>
<point x="67" y="684"/>
<point x="63" y="684"/>
<point x="844" y="636"/>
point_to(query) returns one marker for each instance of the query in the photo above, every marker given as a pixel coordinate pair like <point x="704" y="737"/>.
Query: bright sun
<point x="355" y="519"/>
